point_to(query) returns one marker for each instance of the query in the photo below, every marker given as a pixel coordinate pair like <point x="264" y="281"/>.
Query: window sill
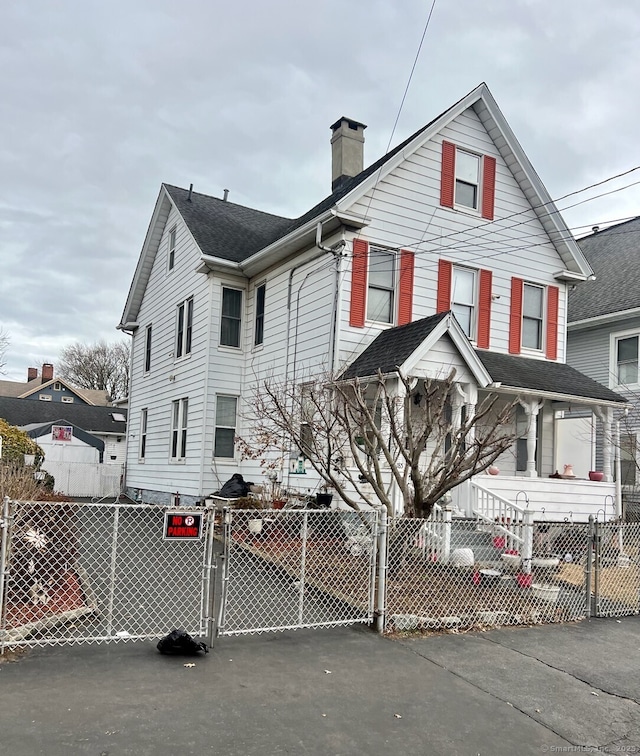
<point x="182" y="358"/>
<point x="229" y="349"/>
<point x="178" y="461"/>
<point x="466" y="211"/>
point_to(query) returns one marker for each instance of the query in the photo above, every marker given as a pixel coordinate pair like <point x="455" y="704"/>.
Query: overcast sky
<point x="101" y="102"/>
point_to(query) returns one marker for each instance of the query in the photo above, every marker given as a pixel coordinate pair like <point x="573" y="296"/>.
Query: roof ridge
<point x="226" y="202"/>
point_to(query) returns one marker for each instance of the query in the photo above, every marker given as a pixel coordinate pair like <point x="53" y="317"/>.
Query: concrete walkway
<point x="334" y="692"/>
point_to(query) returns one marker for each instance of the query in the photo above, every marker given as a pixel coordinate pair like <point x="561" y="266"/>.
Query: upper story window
<point x="626" y="360"/>
<point x="172" y="248"/>
<point x="259" y="325"/>
<point x="468" y="180"/>
<point x="532" y="316"/>
<point x="231" y="318"/>
<point x="463" y="298"/>
<point x="179" y="411"/>
<point x="147" y="349"/>
<point x="381" y="290"/>
<point x="533" y="319"/>
<point x="381" y="286"/>
<point x="468" y="294"/>
<point x="184" y="327"/>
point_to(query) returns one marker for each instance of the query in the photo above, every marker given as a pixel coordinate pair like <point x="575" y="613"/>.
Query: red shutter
<point x="515" y="322"/>
<point x="488" y="187"/>
<point x="359" y="283"/>
<point x="484" y="310"/>
<point x="553" y="296"/>
<point x="447" y="177"/>
<point x="405" y="289"/>
<point x="443" y="299"/>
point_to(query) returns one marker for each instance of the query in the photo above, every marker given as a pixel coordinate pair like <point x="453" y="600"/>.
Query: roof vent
<point x="595" y="229"/>
<point x="226" y="195"/>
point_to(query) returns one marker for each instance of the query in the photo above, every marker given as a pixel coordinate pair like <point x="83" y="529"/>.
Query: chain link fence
<point x="288" y="569"/>
<point x="81" y="573"/>
<point x="616" y="569"/>
<point x="481" y="579"/>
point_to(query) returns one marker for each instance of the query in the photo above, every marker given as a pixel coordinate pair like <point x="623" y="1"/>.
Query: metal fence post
<point x="303" y="559"/>
<point x="527" y="541"/>
<point x="227" y="520"/>
<point x="382" y="570"/>
<point x="209" y="585"/>
<point x="587" y="568"/>
<point x="112" y="570"/>
<point x="4" y="525"/>
<point x="446" y="535"/>
<point x="596" y="567"/>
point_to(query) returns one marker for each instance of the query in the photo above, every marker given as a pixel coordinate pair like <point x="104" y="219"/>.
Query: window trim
<point x="543" y="320"/>
<point x="184" y="329"/>
<point x="179" y="427"/>
<point x="474" y="210"/>
<point x="473" y="325"/>
<point x="144" y="425"/>
<point x="613" y="358"/>
<point x="225" y="427"/>
<point x="171" y="256"/>
<point x="373" y="248"/>
<point x="258" y="320"/>
<point x="44" y="397"/>
<point x="242" y="291"/>
<point x="66" y="399"/>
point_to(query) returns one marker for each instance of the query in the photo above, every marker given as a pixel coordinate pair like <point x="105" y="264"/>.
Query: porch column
<point x="531" y="408"/>
<point x="605" y="415"/>
<point x="472" y="400"/>
<point x="457" y="400"/>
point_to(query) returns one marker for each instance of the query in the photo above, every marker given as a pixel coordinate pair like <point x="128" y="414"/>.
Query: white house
<point x="454" y="223"/>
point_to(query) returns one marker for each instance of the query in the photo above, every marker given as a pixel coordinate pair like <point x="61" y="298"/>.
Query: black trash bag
<point x="235" y="487"/>
<point x="180" y="642"/>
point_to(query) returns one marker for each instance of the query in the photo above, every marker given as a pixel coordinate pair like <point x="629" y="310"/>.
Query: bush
<point x="16" y="443"/>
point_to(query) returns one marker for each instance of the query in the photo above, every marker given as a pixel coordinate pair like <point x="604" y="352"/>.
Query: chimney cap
<point x="353" y="124"/>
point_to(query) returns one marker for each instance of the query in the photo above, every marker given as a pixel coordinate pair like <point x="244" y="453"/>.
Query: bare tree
<point x="4" y="345"/>
<point x="369" y="438"/>
<point x="100" y="366"/>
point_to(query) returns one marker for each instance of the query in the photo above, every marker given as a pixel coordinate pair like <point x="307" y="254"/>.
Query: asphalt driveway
<point x="549" y="689"/>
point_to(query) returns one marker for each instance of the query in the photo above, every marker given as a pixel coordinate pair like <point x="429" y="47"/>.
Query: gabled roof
<point x="614" y="255"/>
<point x="37" y="430"/>
<point x="27" y="388"/>
<point x="401" y="348"/>
<point x="236" y="234"/>
<point x="92" y="419"/>
<point x="547" y="378"/>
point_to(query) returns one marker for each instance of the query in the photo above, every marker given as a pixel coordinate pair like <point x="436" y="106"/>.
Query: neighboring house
<point x="84" y="445"/>
<point x="446" y="252"/>
<point x="46" y="388"/>
<point x="603" y="336"/>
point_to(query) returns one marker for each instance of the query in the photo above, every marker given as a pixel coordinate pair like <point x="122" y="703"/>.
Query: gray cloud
<point x="102" y="102"/>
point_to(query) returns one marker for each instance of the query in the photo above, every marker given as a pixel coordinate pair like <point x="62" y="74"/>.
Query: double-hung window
<point x="626" y="356"/>
<point x="532" y="316"/>
<point x="147" y="349"/>
<point x="225" y="431"/>
<point x="467" y="179"/>
<point x="259" y="325"/>
<point x="172" y="248"/>
<point x="381" y="286"/>
<point x="179" y="410"/>
<point x="231" y="320"/>
<point x="463" y="298"/>
<point x="184" y="327"/>
<point x="142" y="449"/>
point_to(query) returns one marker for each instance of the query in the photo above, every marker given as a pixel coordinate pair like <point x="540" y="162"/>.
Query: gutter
<point x="608" y="317"/>
<point x="570" y="398"/>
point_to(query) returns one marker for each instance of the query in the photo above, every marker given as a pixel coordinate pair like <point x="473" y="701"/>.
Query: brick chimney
<point x="32" y="374"/>
<point x="47" y="372"/>
<point x="347" y="150"/>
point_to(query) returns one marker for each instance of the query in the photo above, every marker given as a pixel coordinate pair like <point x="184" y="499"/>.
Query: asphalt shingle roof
<point x="22" y="412"/>
<point x="392" y="347"/>
<point x="541" y="375"/>
<point x="614" y="255"/>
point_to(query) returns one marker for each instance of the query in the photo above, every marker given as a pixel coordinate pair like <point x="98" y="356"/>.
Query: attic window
<point x="57" y="386"/>
<point x="118" y="417"/>
<point x="67" y="399"/>
<point x="45" y="397"/>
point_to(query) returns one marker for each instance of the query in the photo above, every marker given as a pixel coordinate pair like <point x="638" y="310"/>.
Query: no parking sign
<point x="182" y="526"/>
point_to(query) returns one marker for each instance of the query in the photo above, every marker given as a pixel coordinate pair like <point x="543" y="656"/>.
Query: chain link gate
<point x="288" y="569"/>
<point x="89" y="573"/>
<point x="616" y="569"/>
